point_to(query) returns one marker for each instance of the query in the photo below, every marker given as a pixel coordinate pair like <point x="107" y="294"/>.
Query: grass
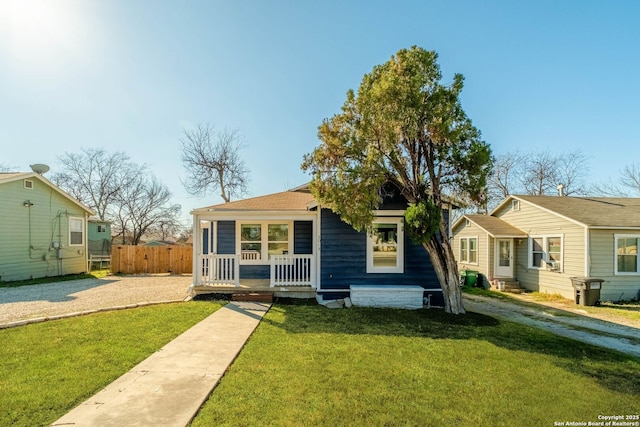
<point x="308" y="365"/>
<point x="96" y="274"/>
<point x="48" y="368"/>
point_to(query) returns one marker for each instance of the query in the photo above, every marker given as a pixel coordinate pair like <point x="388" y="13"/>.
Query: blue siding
<point x="302" y="237"/>
<point x="226" y="237"/>
<point x="344" y="252"/>
<point x="254" y="271"/>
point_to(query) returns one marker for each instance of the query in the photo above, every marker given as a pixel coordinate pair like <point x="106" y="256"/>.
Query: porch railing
<point x="292" y="270"/>
<point x="220" y="269"/>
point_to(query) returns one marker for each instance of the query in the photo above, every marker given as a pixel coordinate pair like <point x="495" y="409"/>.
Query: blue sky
<point x="131" y="75"/>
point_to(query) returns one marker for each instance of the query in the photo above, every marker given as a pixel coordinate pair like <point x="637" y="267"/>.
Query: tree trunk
<point x="446" y="268"/>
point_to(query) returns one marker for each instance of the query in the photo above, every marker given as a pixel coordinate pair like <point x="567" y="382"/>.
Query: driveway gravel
<point x="623" y="338"/>
<point x="78" y="296"/>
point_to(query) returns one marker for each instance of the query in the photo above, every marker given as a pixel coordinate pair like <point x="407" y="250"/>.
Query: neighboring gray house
<point x="43" y="229"/>
<point x="543" y="241"/>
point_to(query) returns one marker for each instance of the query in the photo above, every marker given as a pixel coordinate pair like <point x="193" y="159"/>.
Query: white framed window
<point x="546" y="252"/>
<point x="626" y="254"/>
<point x="385" y="246"/>
<point x="76" y="231"/>
<point x="257" y="241"/>
<point x="469" y="250"/>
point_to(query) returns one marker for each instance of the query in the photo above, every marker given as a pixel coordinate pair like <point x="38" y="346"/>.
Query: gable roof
<point x="15" y="176"/>
<point x="292" y="200"/>
<point x="597" y="212"/>
<point x="494" y="226"/>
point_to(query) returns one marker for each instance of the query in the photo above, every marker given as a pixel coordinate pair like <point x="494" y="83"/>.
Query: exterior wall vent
<point x="515" y="205"/>
<point x="28" y="184"/>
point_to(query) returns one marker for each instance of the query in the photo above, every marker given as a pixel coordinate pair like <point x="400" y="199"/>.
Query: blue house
<point x="290" y="245"/>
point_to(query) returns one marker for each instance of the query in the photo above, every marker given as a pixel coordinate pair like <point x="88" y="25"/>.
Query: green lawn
<point x="48" y="368"/>
<point x="308" y="365"/>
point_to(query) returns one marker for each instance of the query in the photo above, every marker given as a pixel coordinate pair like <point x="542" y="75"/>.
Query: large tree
<point x="213" y="163"/>
<point x="96" y="177"/>
<point x="405" y="127"/>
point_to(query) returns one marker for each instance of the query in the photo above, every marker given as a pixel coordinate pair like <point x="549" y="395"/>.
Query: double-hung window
<point x="469" y="250"/>
<point x="385" y="246"/>
<point x="258" y="241"/>
<point x="76" y="231"/>
<point x="545" y="252"/>
<point x="626" y="256"/>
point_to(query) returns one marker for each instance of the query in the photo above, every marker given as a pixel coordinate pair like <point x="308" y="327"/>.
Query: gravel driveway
<point x="76" y="296"/>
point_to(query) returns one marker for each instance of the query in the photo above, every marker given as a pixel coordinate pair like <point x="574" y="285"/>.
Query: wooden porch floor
<point x="256" y="286"/>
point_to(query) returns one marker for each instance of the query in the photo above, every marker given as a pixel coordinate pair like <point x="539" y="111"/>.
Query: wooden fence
<point x="128" y="259"/>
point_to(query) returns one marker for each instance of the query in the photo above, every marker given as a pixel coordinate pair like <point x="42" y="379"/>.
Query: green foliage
<point x="422" y="221"/>
<point x="402" y="126"/>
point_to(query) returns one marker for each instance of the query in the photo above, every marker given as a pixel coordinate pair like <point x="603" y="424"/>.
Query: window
<point x="545" y="252"/>
<point x="259" y="241"/>
<point x="102" y="229"/>
<point x="385" y="246"/>
<point x="28" y="184"/>
<point x="626" y="259"/>
<point x="76" y="231"/>
<point x="469" y="250"/>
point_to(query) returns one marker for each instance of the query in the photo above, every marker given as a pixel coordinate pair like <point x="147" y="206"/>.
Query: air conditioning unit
<point x="556" y="265"/>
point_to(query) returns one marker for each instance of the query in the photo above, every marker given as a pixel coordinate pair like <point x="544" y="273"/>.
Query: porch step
<point x="253" y="296"/>
<point x="512" y="286"/>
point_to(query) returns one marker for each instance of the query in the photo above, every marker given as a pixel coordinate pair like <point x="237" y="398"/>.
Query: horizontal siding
<point x="302" y="237"/>
<point x="344" y="252"/>
<point x="537" y="222"/>
<point x="26" y="247"/>
<point x="484" y="254"/>
<point x="603" y="254"/>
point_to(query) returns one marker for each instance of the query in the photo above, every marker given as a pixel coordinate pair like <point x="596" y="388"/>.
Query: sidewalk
<point x="168" y="388"/>
<point x="614" y="336"/>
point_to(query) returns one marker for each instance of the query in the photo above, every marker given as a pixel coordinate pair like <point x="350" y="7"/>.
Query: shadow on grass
<point x="613" y="370"/>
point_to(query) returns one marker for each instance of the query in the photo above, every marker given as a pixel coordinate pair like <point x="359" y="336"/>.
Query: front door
<point x="504" y="258"/>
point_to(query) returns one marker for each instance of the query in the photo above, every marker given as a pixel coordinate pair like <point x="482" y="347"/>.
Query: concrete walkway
<point x="625" y="339"/>
<point x="168" y="388"/>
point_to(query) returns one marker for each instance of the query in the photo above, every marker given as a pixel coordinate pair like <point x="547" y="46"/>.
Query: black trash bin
<point x="586" y="290"/>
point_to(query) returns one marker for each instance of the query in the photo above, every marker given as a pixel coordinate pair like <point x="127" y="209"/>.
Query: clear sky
<point x="130" y="75"/>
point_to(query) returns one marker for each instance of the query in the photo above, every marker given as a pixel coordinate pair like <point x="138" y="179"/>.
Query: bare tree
<point x="96" y="177"/>
<point x="504" y="177"/>
<point x="628" y="184"/>
<point x="213" y="163"/>
<point x="6" y="167"/>
<point x="537" y="174"/>
<point x="143" y="204"/>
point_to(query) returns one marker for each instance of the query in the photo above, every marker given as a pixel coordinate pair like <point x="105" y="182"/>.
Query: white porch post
<point x="196" y="270"/>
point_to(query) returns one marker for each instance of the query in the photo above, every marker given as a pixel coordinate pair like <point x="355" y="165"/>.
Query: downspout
<point x="488" y="252"/>
<point x="318" y="253"/>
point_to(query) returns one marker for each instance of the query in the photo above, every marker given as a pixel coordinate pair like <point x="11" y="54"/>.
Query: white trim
<point x="399" y="268"/>
<point x="468" y="252"/>
<point x="587" y="252"/>
<point x="545" y="253"/>
<point x="264" y="240"/>
<point x="83" y="228"/>
<point x="615" y="255"/>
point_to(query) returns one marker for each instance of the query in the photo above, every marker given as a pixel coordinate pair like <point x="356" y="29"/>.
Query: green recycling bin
<point x="470" y="277"/>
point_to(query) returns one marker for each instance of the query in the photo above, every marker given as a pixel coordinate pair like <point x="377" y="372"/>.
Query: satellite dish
<point x="39" y="168"/>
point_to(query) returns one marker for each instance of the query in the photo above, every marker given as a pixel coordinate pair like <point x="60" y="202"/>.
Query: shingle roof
<point x="495" y="226"/>
<point x="283" y="201"/>
<point x="592" y="211"/>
